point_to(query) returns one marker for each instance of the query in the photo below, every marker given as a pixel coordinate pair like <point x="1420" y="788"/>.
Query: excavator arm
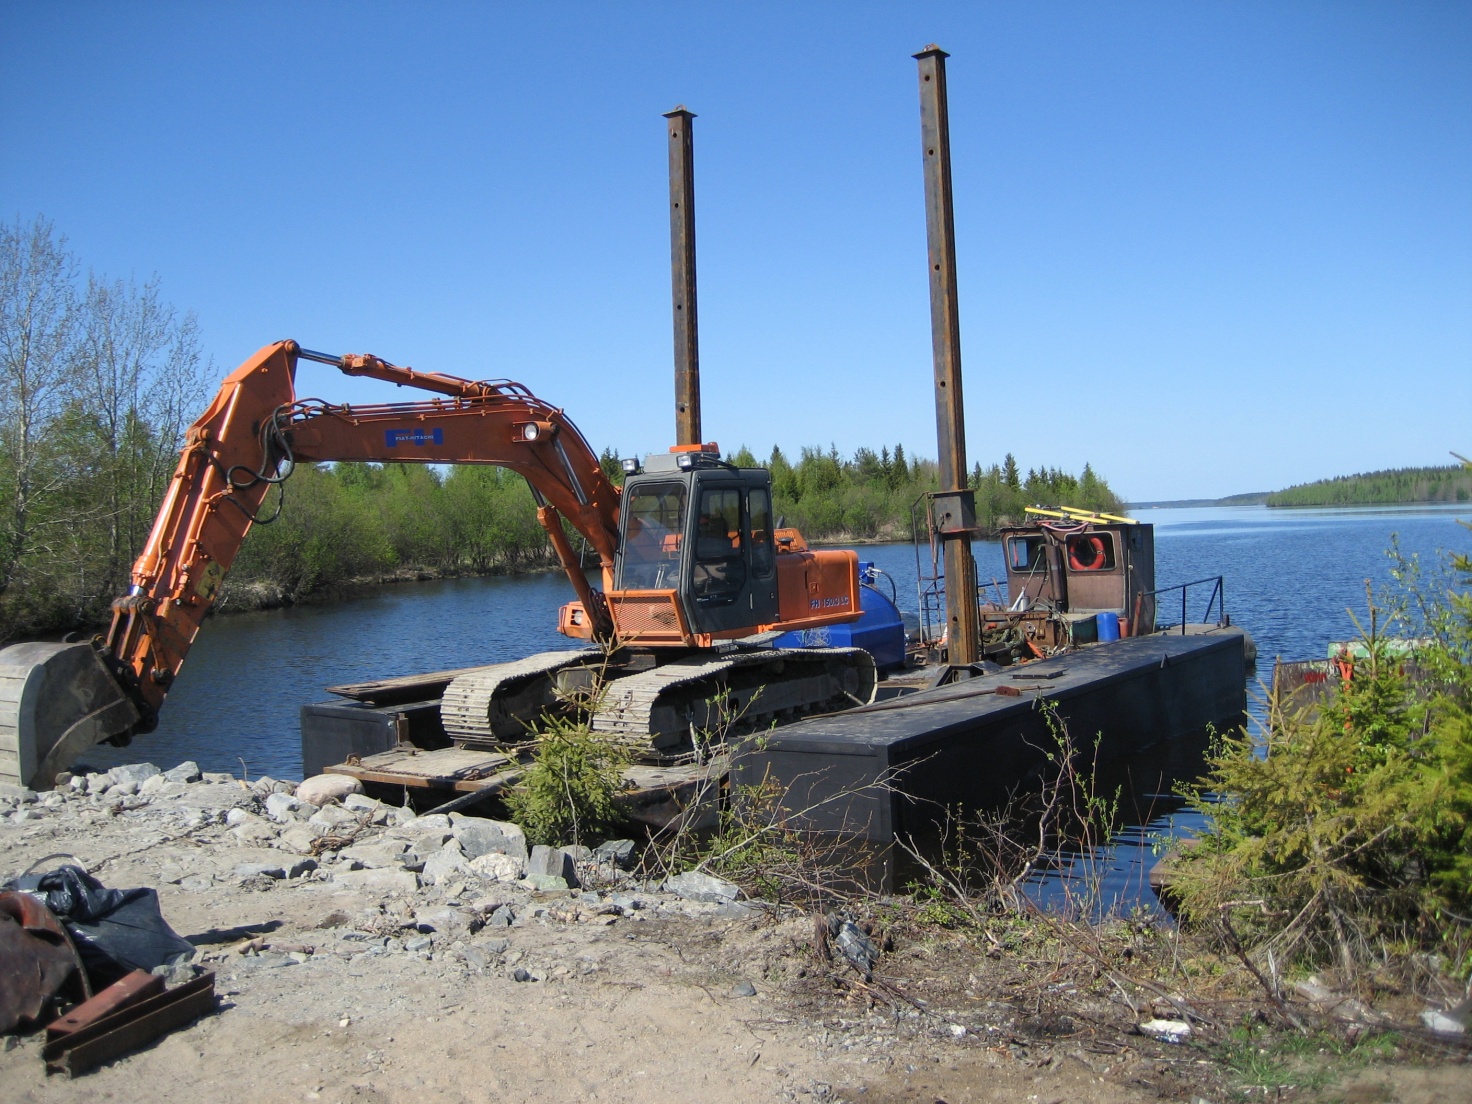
<point x="56" y="700"/>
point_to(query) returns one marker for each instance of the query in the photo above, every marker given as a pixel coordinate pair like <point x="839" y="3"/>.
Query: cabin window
<point x="720" y="554"/>
<point x="654" y="519"/>
<point x="759" y="507"/>
<point x="1091" y="552"/>
<point x="1026" y="554"/>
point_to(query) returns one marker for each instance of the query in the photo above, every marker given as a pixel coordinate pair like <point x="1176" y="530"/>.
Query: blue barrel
<point x="1108" y="626"/>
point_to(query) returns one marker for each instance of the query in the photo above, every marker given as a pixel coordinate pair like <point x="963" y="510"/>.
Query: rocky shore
<point x="363" y="953"/>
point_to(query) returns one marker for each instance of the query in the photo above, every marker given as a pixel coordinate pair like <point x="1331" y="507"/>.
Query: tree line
<point x="101" y="379"/>
<point x="1393" y="486"/>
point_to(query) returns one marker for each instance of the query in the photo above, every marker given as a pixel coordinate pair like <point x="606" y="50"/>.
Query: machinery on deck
<point x="694" y="570"/>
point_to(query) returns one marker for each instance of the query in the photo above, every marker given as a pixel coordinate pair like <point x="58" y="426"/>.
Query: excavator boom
<point x="58" y="699"/>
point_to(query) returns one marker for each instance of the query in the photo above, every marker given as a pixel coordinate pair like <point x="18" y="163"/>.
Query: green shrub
<point x="568" y="793"/>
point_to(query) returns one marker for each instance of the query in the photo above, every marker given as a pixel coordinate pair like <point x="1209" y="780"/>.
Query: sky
<point x="1209" y="248"/>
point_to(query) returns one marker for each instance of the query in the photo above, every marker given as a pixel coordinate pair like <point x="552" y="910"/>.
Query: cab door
<point x="731" y="576"/>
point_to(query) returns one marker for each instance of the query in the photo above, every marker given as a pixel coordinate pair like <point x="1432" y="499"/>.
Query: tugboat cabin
<point x="1074" y="577"/>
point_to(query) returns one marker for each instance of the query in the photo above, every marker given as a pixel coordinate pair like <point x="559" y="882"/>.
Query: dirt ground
<point x="630" y="993"/>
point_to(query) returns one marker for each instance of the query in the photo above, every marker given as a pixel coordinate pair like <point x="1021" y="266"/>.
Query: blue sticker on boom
<point x="420" y="437"/>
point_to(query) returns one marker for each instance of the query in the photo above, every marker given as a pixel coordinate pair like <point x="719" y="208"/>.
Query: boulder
<point x="695" y="886"/>
<point x="552" y="862"/>
<point x="283" y="808"/>
<point x="446" y="863"/>
<point x="379" y="854"/>
<point x="187" y="771"/>
<point x="137" y="773"/>
<point x="478" y="836"/>
<point x="619" y="853"/>
<point x="324" y="788"/>
<point x="496" y="867"/>
<point x="334" y="817"/>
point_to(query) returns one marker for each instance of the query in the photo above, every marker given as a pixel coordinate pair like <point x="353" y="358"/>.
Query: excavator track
<point x="497" y="705"/>
<point x="663" y="713"/>
<point x="660" y="713"/>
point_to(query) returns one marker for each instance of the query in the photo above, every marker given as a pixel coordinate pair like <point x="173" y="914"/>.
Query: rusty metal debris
<point x="37" y="960"/>
<point x="129" y="1028"/>
<point x="135" y="987"/>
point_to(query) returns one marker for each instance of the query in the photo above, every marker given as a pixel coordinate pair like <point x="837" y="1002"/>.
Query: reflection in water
<point x="1291" y="577"/>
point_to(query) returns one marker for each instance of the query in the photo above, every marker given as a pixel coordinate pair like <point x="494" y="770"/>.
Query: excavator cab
<point x="701" y="528"/>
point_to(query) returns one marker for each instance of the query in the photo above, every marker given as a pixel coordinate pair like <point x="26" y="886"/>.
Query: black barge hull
<point x="896" y="767"/>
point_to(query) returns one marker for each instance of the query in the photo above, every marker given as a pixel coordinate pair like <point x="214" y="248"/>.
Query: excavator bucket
<point x="56" y="701"/>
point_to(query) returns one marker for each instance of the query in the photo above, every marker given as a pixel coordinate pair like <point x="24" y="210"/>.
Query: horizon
<point x="1198" y="248"/>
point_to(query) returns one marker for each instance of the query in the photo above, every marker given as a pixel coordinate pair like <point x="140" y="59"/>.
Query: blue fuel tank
<point x="880" y="630"/>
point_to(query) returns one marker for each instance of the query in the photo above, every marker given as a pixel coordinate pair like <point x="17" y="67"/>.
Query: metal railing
<point x="1216" y="599"/>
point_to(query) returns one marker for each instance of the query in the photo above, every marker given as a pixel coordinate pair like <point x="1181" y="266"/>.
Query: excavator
<point x="697" y="577"/>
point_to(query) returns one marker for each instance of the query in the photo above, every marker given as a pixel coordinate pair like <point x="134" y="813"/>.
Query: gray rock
<point x="435" y="822"/>
<point x="187" y="771"/>
<point x="335" y="817"/>
<point x="553" y="862"/>
<point x="501" y="917"/>
<point x="619" y="853"/>
<point x="578" y="853"/>
<point x="136" y="773"/>
<point x="736" y="910"/>
<point x="197" y="882"/>
<point x="450" y="922"/>
<point x="298" y="838"/>
<point x="378" y="853"/>
<point x="743" y="989"/>
<point x="446" y="863"/>
<point x="695" y="886"/>
<point x="545" y="883"/>
<point x="626" y="901"/>
<point x="521" y="973"/>
<point x="417" y="944"/>
<point x="282" y="808"/>
<point x="361" y="802"/>
<point x="479" y="837"/>
<point x="300" y="867"/>
<point x="218" y="777"/>
<point x="258" y="870"/>
<point x="152" y="785"/>
<point x="496" y="946"/>
<point x="473" y="956"/>
<point x="125" y="788"/>
<point x="377" y="881"/>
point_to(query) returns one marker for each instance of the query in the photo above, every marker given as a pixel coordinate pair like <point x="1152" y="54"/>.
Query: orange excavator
<point x="694" y="572"/>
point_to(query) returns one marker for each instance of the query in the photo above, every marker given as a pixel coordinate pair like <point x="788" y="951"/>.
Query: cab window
<point x="719" y="573"/>
<point x="1025" y="554"/>
<point x="759" y="507"/>
<point x="654" y="520"/>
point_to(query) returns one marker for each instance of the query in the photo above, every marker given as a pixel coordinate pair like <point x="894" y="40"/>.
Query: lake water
<point x="1291" y="578"/>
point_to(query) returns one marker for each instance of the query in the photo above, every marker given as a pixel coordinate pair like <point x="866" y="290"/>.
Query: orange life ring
<point x="1095" y="545"/>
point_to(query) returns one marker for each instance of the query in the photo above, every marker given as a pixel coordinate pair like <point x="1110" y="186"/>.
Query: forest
<point x="100" y="379"/>
<point x="1452" y="483"/>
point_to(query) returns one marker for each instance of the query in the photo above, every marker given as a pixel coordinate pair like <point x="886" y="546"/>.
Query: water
<point x="1291" y="577"/>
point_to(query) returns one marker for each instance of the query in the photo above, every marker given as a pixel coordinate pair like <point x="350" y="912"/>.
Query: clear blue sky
<point x="1210" y="248"/>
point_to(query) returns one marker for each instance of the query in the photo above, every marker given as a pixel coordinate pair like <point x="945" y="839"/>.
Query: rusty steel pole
<point x="955" y="505"/>
<point x="682" y="276"/>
